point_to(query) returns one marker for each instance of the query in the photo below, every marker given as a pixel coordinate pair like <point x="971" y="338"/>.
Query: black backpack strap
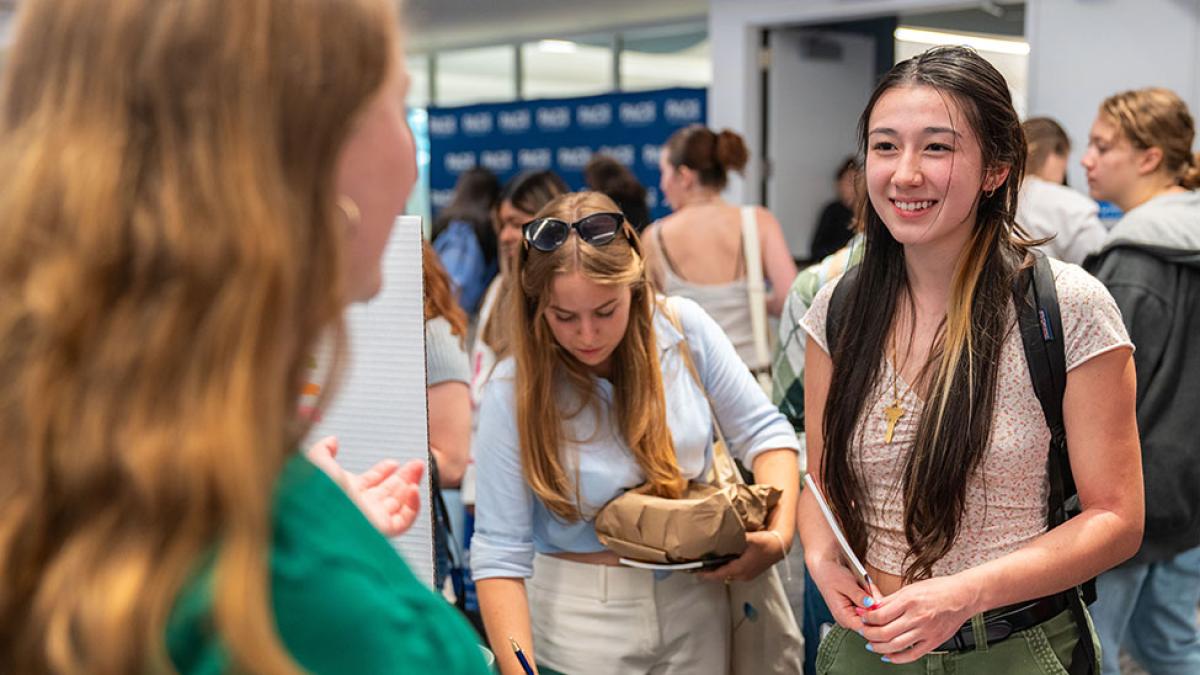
<point x="443" y="535"/>
<point x="837" y="307"/>
<point x="1040" y="324"/>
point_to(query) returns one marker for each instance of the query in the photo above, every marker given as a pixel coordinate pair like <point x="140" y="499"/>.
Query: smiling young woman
<point x="922" y="426"/>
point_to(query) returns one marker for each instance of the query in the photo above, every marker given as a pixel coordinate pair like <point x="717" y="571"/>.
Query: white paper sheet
<point x="380" y="410"/>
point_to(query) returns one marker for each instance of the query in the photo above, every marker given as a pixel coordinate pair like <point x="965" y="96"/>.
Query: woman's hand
<point x="388" y="494"/>
<point x="916" y="619"/>
<point x="763" y="549"/>
<point x="846" y="599"/>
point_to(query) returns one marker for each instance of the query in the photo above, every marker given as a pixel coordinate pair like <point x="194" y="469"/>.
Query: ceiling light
<point x="557" y="46"/>
<point x="983" y="44"/>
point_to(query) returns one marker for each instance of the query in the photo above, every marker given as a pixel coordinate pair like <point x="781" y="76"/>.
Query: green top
<point x="787" y="365"/>
<point x="344" y="601"/>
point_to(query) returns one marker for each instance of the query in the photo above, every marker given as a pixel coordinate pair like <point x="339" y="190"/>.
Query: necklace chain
<point x="895" y="411"/>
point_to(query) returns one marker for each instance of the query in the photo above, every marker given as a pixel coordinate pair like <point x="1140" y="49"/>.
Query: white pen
<point x="856" y="566"/>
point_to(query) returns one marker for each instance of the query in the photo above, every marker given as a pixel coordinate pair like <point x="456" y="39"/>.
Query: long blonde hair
<point x="169" y="257"/>
<point x="638" y="399"/>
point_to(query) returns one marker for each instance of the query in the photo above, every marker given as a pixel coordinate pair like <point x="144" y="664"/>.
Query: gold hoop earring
<point x="991" y="193"/>
<point x="350" y="212"/>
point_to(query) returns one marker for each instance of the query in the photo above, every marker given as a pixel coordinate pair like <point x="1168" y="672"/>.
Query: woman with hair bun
<point x="697" y="252"/>
<point x="1140" y="158"/>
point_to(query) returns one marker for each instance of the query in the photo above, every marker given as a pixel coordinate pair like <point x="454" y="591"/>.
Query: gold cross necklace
<point x="895" y="411"/>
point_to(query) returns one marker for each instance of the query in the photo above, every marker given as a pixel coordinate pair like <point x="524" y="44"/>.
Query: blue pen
<point x="520" y="656"/>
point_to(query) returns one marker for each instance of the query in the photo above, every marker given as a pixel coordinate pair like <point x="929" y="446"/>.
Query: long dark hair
<point x="961" y="373"/>
<point x="475" y="194"/>
<point x="606" y="174"/>
<point x="528" y="192"/>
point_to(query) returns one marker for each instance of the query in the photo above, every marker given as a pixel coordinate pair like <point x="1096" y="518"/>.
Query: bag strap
<point x="755" y="288"/>
<point x="1040" y="323"/>
<point x="442" y="516"/>
<point x="725" y="472"/>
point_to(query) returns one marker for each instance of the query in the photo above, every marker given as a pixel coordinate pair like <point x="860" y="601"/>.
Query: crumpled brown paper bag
<point x="707" y="522"/>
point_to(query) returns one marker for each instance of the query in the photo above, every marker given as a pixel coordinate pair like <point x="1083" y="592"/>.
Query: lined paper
<point x="380" y="410"/>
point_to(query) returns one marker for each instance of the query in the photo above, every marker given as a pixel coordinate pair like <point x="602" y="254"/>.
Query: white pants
<point x="599" y="619"/>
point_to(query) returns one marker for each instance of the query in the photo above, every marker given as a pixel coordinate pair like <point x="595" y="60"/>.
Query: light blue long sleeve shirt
<point x="512" y="523"/>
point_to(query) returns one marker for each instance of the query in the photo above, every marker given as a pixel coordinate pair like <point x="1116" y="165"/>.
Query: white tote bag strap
<point x="755" y="288"/>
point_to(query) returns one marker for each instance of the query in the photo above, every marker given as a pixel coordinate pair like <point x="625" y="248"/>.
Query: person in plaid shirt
<point x="787" y="364"/>
<point x="787" y="392"/>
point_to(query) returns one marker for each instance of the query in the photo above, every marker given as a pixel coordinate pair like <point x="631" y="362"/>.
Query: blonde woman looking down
<point x="595" y="400"/>
<point x="196" y="190"/>
<point x="697" y="251"/>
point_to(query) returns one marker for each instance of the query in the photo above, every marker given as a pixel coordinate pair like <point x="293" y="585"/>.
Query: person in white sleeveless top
<point x="1047" y="207"/>
<point x="699" y="251"/>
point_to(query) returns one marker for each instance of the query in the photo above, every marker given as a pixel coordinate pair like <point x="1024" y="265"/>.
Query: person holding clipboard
<point x="596" y="400"/>
<point x="924" y="431"/>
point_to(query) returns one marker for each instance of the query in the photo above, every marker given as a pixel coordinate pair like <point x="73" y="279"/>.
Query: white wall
<point x="735" y="94"/>
<point x="803" y="162"/>
<point x="1082" y="51"/>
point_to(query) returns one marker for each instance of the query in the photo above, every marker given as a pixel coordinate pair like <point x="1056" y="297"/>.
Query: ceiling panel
<point x="440" y="24"/>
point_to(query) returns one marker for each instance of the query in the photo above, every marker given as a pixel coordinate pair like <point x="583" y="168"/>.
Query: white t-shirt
<point x="1045" y="209"/>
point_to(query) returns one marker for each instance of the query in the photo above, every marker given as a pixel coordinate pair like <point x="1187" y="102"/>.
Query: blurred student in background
<point x="698" y="251"/>
<point x="447" y="374"/>
<point x="833" y="227"/>
<point x="1047" y="207"/>
<point x="447" y="378"/>
<point x="605" y="174"/>
<point x="464" y="239"/>
<point x="196" y="189"/>
<point x="1139" y="157"/>
<point x="523" y="196"/>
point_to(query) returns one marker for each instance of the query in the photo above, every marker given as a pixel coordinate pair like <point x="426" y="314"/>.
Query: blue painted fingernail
<point x="864" y="620"/>
<point x="885" y="659"/>
<point x="870" y="648"/>
<point x="868" y="601"/>
<point x="860" y="633"/>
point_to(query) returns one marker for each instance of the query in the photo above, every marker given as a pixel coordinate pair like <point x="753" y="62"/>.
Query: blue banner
<point x="560" y="134"/>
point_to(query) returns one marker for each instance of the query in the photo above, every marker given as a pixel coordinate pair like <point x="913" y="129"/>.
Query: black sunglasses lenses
<point x="599" y="229"/>
<point x="547" y="234"/>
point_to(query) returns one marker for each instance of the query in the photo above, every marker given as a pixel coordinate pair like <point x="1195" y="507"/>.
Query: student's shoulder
<point x="1077" y="287"/>
<point x="1086" y="306"/>
<point x="505" y="371"/>
<point x="678" y="312"/>
<point x="348" y="618"/>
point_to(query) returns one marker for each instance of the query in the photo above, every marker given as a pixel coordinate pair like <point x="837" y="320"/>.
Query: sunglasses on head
<point x="547" y="234"/>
